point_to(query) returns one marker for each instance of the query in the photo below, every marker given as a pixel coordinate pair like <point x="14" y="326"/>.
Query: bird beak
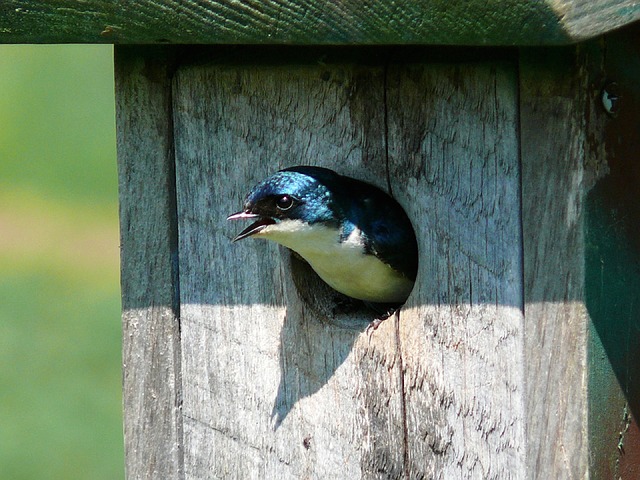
<point x="252" y="229"/>
<point x="239" y="215"/>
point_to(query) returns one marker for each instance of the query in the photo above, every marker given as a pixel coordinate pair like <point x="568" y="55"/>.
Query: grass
<point x="60" y="380"/>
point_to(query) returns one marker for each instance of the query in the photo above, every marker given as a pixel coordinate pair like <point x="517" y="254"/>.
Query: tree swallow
<point x="357" y="238"/>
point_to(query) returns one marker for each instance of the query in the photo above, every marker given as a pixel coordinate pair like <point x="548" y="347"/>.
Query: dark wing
<point x="387" y="230"/>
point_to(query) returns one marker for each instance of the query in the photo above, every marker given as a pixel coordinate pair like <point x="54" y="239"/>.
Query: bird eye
<point x="285" y="202"/>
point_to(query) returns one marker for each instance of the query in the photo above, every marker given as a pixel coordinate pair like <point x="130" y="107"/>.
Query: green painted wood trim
<point x="306" y="22"/>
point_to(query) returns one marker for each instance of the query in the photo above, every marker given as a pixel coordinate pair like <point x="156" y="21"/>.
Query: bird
<point x="355" y="236"/>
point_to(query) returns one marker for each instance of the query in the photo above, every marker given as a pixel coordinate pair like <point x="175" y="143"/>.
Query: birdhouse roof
<point x="317" y="22"/>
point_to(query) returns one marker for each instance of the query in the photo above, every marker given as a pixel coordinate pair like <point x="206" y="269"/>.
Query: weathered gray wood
<point x="265" y="374"/>
<point x="151" y="333"/>
<point x="278" y="378"/>
<point x="476" y="22"/>
<point x="584" y="19"/>
<point x="273" y="388"/>
<point x="462" y="333"/>
<point x="553" y="137"/>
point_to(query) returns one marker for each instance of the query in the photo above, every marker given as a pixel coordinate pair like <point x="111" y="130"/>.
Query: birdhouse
<point x="507" y="131"/>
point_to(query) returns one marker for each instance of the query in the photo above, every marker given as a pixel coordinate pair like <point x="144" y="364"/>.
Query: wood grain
<point x="612" y="265"/>
<point x="454" y="160"/>
<point x="240" y="363"/>
<point x="266" y="375"/>
<point x="476" y="22"/>
<point x="150" y="318"/>
<point x="275" y="389"/>
<point x="554" y="184"/>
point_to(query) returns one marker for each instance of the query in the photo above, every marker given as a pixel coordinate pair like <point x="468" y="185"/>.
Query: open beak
<point x="252" y="229"/>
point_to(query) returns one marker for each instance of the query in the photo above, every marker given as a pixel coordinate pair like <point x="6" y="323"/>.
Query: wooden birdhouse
<point x="507" y="130"/>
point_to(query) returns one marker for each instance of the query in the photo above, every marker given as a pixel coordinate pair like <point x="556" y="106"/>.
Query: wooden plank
<point x="553" y="178"/>
<point x="278" y="382"/>
<point x="585" y="19"/>
<point x="580" y="193"/>
<point x="612" y="263"/>
<point x="272" y="390"/>
<point x="151" y="331"/>
<point x="453" y="157"/>
<point x="476" y="22"/>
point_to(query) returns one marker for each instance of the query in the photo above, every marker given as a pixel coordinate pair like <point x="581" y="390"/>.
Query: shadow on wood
<point x="613" y="262"/>
<point x="484" y="373"/>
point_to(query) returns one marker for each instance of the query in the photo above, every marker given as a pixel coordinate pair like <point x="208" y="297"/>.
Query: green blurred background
<point x="60" y="354"/>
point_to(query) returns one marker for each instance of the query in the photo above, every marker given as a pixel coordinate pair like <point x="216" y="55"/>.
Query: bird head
<point x="288" y="200"/>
